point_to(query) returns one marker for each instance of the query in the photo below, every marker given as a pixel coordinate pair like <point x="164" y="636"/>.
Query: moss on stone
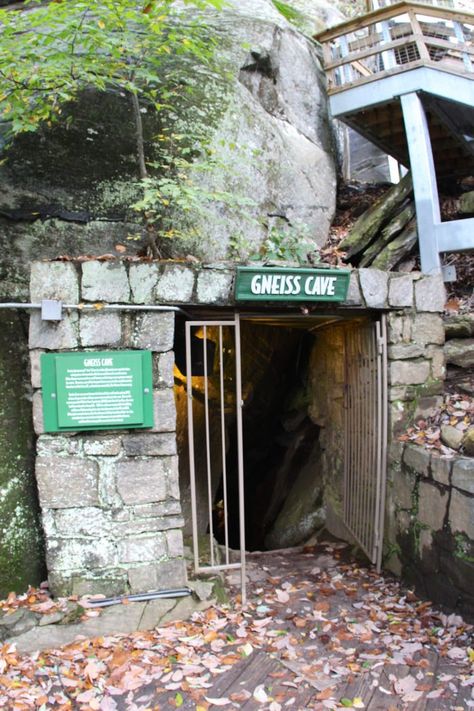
<point x="219" y="591"/>
<point x="21" y="545"/>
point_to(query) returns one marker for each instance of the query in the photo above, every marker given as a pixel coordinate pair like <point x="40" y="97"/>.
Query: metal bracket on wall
<point x="51" y="310"/>
<point x="449" y="272"/>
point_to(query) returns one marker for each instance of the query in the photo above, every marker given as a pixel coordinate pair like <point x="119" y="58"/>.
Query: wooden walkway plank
<point x="452" y="698"/>
<point x="360" y="686"/>
<point x="465" y="693"/>
<point x="226" y="680"/>
<point x="381" y="701"/>
<point x="260" y="669"/>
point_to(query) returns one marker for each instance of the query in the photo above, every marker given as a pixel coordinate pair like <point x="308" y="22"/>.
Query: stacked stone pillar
<point x="110" y="500"/>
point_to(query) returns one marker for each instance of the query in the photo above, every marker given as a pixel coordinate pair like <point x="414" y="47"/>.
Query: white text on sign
<point x="290" y="284"/>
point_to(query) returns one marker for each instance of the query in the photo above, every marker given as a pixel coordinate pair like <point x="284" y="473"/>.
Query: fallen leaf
<point x="240" y="696"/>
<point x="435" y="694"/>
<point x="246" y="649"/>
<point x="282" y="595"/>
<point x="325" y="693"/>
<point x="260" y="694"/>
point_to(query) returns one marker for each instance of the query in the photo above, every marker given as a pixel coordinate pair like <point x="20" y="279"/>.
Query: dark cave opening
<point x="292" y="416"/>
<point x="280" y="440"/>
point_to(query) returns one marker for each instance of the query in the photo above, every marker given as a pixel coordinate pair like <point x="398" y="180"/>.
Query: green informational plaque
<point x="97" y="390"/>
<point x="284" y="284"/>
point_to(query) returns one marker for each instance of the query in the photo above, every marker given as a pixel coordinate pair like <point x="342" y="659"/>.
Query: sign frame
<point x="56" y="394"/>
<point x="290" y="284"/>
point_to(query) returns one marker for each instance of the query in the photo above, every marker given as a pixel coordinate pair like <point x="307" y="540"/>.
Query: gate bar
<point x="240" y="457"/>
<point x="192" y="464"/>
<point x="365" y="432"/>
<point x="383" y="446"/>
<point x="192" y="460"/>
<point x="208" y="447"/>
<point x="224" y="458"/>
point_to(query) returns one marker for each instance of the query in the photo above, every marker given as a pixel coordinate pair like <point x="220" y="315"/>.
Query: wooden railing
<point x="395" y="39"/>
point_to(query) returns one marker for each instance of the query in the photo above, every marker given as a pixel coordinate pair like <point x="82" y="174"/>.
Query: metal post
<point x="459" y="33"/>
<point x="210" y="442"/>
<point x="383" y="375"/>
<point x="208" y="446"/>
<point x="240" y="456"/>
<point x="424" y="181"/>
<point x="346" y="69"/>
<point x="192" y="466"/>
<point x="381" y="407"/>
<point x="388" y="56"/>
<point x="224" y="458"/>
<point x="365" y="437"/>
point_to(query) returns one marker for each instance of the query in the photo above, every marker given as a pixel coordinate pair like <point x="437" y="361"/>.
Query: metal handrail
<point x="395" y="39"/>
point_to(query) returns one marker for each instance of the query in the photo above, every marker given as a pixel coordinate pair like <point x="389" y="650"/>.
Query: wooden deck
<point x="340" y="637"/>
<point x="261" y="670"/>
<point x="387" y="47"/>
<point x="396" y="39"/>
<point x="383" y="125"/>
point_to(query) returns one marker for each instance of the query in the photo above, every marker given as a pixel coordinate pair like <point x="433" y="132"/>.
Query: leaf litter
<point x="456" y="410"/>
<point x="328" y="620"/>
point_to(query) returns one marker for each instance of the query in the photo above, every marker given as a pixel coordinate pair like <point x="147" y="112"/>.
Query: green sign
<point x="283" y="284"/>
<point x="97" y="390"/>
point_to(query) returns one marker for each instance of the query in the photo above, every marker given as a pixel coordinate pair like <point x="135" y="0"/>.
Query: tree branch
<point x="140" y="143"/>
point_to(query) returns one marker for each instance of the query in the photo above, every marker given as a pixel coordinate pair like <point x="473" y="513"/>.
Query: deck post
<point x="424" y="181"/>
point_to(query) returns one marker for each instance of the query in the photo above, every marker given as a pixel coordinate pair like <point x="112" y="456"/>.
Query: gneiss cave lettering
<point x="292" y="285"/>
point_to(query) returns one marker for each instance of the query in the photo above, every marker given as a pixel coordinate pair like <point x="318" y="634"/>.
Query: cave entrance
<point x="287" y="432"/>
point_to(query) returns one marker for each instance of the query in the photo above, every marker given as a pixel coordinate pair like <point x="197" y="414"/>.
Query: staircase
<point x="403" y="77"/>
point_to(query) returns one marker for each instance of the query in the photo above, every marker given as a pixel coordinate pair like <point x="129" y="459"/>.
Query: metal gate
<point x="213" y="348"/>
<point x="366" y="435"/>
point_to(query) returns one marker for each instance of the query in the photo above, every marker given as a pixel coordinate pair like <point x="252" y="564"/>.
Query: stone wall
<point x="326" y="383"/>
<point x="459" y="351"/>
<point x="111" y="501"/>
<point x="432" y="519"/>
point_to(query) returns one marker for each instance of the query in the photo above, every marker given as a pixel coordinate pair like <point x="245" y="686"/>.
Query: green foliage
<point x="161" y="57"/>
<point x="291" y="243"/>
<point x="176" y="204"/>
<point x="464" y="548"/>
<point x="290" y="13"/>
<point x="391" y="549"/>
<point x="49" y="53"/>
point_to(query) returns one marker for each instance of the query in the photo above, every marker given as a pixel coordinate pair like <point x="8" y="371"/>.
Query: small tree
<point x="50" y="53"/>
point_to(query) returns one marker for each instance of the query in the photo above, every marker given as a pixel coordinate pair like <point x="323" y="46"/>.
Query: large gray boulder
<point x="68" y="189"/>
<point x="277" y="113"/>
<point x="460" y="352"/>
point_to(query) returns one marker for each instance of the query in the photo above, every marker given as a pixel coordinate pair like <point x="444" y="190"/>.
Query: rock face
<point x="434" y="525"/>
<point x="69" y="190"/>
<point x="388" y="217"/>
<point x="364" y="161"/>
<point x="318" y="14"/>
<point x="460" y="352"/>
<point x="21" y="546"/>
<point x="466" y="203"/>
